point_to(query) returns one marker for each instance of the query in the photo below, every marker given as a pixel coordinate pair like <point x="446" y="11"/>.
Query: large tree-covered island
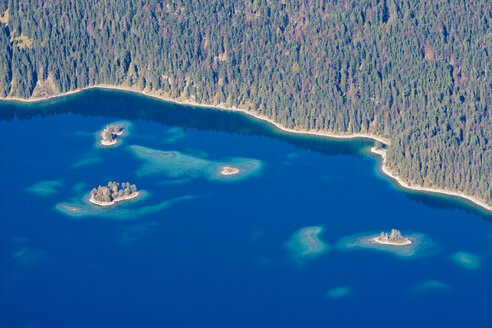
<point x="112" y="193"/>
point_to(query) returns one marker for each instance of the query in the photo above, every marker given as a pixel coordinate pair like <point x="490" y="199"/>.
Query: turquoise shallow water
<point x="276" y="246"/>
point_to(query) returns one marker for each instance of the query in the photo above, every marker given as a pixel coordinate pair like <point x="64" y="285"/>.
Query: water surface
<point x="201" y="251"/>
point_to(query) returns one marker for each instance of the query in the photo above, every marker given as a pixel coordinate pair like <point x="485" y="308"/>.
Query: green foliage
<point x="412" y="71"/>
<point x="113" y="191"/>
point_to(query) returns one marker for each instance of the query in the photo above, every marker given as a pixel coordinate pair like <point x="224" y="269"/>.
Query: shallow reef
<point x="179" y="165"/>
<point x="29" y="257"/>
<point x="466" y="260"/>
<point x="81" y="208"/>
<point x="339" y="292"/>
<point x="430" y="286"/>
<point x="45" y="188"/>
<point x="306" y="243"/>
<point x="87" y="159"/>
<point x="174" y="134"/>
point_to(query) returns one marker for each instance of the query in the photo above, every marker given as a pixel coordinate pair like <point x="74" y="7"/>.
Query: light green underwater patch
<point x="29" y="257"/>
<point x="339" y="292"/>
<point x="174" y="182"/>
<point x="430" y="286"/>
<point x="466" y="260"/>
<point x="178" y="165"/>
<point x="136" y="232"/>
<point x="86" y="160"/>
<point x="81" y="208"/>
<point x="306" y="244"/>
<point x="79" y="187"/>
<point x="45" y="188"/>
<point x="174" y="134"/>
<point x="421" y="245"/>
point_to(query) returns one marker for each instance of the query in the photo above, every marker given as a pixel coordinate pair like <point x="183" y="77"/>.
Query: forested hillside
<point x="414" y="71"/>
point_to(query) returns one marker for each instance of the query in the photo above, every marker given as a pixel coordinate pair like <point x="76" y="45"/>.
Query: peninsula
<point x="393" y="239"/>
<point x="110" y="134"/>
<point x="112" y="193"/>
<point x="229" y="170"/>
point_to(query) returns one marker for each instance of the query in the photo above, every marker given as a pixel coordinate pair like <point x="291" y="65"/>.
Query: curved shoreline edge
<point x="376" y="240"/>
<point x="336" y="135"/>
<point x="114" y="201"/>
<point x="386" y="170"/>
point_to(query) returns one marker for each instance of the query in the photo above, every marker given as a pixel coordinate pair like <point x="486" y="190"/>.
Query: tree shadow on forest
<point x="131" y="106"/>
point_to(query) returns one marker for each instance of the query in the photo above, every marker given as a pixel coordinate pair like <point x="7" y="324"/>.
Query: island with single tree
<point x="110" y="134"/>
<point x="112" y="193"/>
<point x="393" y="239"/>
<point x="229" y="170"/>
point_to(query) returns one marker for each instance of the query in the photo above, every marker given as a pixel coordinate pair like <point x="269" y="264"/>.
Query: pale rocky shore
<point x="229" y="170"/>
<point x="387" y="171"/>
<point x="393" y="239"/>
<point x="221" y="106"/>
<point x="108" y="143"/>
<point x="114" y="201"/>
<point x="114" y="131"/>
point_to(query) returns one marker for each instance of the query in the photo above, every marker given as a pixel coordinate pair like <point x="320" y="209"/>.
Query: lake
<point x="281" y="244"/>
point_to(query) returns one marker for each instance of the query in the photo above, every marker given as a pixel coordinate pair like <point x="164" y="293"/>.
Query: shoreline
<point x="114" y="201"/>
<point x="105" y="143"/>
<point x="377" y="240"/>
<point x="336" y="135"/>
<point x="386" y="170"/>
<point x="229" y="170"/>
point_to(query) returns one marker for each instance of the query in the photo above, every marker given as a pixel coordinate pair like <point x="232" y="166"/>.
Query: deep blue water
<point x="219" y="258"/>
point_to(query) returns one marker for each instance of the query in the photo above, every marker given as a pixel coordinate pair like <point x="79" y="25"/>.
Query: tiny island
<point x="229" y="170"/>
<point x="112" y="193"/>
<point x="110" y="134"/>
<point x="393" y="239"/>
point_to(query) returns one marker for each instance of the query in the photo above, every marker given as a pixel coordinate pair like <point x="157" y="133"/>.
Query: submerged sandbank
<point x="45" y="188"/>
<point x="81" y="207"/>
<point x="466" y="260"/>
<point x="179" y="165"/>
<point x="306" y="243"/>
<point x="430" y="286"/>
<point x="339" y="292"/>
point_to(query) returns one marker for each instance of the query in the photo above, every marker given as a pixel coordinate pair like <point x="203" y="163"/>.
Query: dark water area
<point x="278" y="245"/>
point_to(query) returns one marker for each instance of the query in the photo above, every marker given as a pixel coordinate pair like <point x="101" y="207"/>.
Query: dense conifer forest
<point x="413" y="71"/>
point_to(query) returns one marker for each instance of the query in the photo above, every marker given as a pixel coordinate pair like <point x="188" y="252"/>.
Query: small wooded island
<point x="110" y="134"/>
<point x="394" y="239"/>
<point x="112" y="193"/>
<point x="229" y="170"/>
